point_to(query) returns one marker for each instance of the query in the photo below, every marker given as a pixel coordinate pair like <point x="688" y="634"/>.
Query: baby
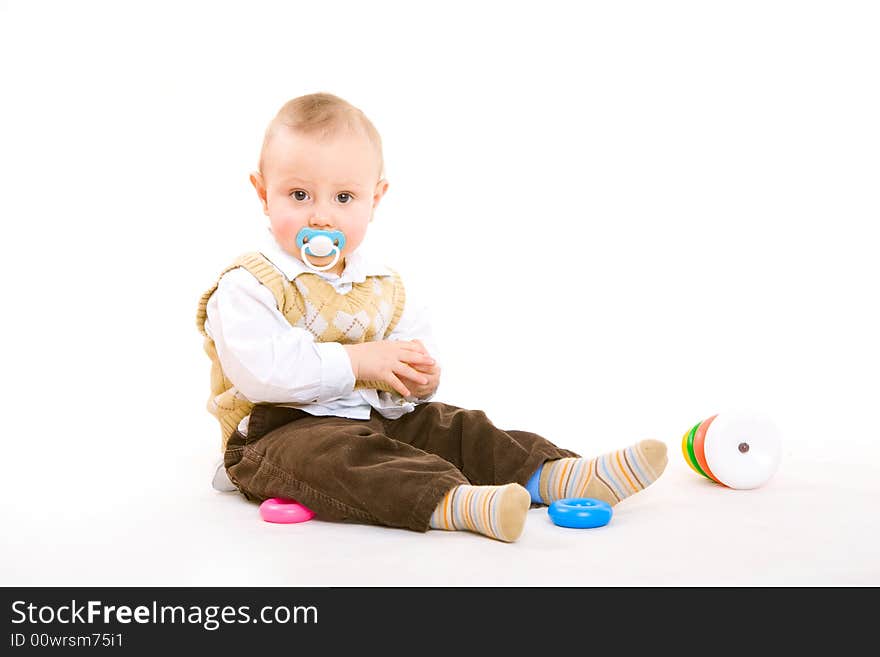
<point x="322" y="371"/>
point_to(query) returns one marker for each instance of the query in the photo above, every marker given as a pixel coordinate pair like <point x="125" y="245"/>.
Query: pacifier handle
<point x="321" y="243"/>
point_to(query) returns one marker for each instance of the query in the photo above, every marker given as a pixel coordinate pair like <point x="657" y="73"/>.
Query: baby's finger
<point x="398" y="386"/>
<point x="408" y="372"/>
<point x="427" y="369"/>
<point x="416" y="358"/>
<point x="416" y="345"/>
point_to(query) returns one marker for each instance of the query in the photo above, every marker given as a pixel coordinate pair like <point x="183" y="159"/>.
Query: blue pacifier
<point x="319" y="244"/>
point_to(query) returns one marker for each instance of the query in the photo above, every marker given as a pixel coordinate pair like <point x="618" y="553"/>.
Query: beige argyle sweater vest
<point x="369" y="311"/>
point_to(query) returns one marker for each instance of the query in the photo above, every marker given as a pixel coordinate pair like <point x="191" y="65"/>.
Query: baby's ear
<point x="381" y="188"/>
<point x="257" y="181"/>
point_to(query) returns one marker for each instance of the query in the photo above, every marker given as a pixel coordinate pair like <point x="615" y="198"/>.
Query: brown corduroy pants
<point x="378" y="471"/>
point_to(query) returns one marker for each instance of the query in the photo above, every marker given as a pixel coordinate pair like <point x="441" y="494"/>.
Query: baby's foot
<point x="610" y="477"/>
<point x="495" y="511"/>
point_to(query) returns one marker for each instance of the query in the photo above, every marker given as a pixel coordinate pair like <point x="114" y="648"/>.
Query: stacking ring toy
<point x="580" y="512"/>
<point x="283" y="510"/>
<point x="735" y="449"/>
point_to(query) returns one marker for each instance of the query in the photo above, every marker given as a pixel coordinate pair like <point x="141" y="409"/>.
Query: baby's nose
<point x="319" y="221"/>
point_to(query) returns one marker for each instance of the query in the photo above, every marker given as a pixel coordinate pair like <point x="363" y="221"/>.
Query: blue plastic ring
<point x="580" y="512"/>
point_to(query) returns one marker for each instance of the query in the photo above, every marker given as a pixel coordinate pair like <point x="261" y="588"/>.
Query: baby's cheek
<point x="285" y="230"/>
<point x="355" y="234"/>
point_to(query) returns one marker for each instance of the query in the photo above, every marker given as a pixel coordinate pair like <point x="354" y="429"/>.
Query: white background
<point x="626" y="217"/>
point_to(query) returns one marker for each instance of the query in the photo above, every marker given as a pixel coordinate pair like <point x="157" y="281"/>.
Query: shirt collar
<point x="357" y="265"/>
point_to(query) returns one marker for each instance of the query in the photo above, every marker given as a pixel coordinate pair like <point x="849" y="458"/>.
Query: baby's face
<point x="329" y="184"/>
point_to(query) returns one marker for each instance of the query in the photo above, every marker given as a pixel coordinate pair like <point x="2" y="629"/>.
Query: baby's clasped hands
<point x="391" y="362"/>
<point x="419" y="390"/>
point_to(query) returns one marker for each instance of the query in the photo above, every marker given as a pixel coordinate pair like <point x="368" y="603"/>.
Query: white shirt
<point x="270" y="360"/>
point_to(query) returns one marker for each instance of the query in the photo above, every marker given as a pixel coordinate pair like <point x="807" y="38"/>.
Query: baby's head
<point x="320" y="167"/>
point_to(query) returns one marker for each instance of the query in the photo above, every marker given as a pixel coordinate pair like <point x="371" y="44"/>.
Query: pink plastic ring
<point x="281" y="509"/>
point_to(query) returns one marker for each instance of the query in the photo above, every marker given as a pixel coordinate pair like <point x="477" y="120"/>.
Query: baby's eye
<point x="299" y="195"/>
<point x="343" y="197"/>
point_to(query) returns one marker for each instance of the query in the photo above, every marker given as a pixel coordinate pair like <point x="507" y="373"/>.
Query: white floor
<point x="812" y="524"/>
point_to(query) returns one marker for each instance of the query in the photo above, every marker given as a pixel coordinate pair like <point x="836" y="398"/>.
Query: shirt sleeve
<point x="265" y="357"/>
<point x="415" y="324"/>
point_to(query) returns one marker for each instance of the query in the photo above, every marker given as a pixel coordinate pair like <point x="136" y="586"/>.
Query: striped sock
<point x="610" y="477"/>
<point x="495" y="511"/>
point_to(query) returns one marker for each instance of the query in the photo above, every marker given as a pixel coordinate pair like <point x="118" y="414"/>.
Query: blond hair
<point x="324" y="115"/>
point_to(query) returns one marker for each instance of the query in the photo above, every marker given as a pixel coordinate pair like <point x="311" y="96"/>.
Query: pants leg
<point x="485" y="454"/>
<point x="344" y="470"/>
